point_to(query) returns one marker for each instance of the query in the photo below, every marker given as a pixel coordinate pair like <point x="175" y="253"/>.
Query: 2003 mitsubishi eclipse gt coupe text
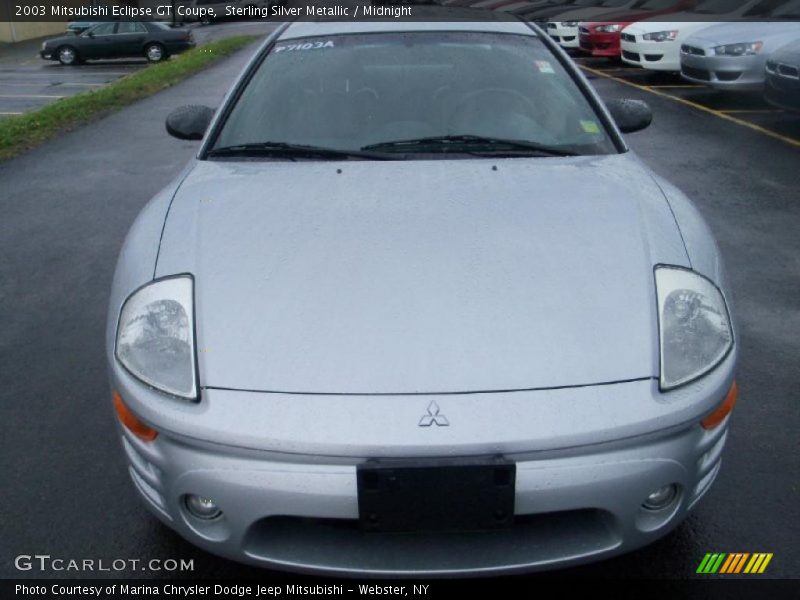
<point x="415" y="308"/>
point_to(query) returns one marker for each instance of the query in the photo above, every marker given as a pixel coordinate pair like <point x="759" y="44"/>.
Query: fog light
<point x="202" y="508"/>
<point x="661" y="498"/>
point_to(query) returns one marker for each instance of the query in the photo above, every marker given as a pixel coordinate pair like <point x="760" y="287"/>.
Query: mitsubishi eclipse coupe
<point x="415" y="308"/>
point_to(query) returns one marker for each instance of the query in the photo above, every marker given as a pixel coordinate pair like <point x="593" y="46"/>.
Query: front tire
<point x="67" y="55"/>
<point x="155" y="53"/>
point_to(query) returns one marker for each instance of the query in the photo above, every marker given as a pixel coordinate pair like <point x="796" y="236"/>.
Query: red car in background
<point x="601" y="38"/>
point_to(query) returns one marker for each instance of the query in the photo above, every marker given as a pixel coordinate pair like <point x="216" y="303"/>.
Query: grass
<point x="23" y="132"/>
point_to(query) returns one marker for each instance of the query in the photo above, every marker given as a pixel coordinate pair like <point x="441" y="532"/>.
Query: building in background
<point x="17" y="29"/>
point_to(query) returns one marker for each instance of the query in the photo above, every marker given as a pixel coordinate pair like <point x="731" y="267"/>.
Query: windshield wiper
<point x="445" y="143"/>
<point x="285" y="149"/>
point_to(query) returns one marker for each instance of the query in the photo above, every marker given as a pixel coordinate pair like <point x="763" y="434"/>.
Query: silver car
<point x="414" y="281"/>
<point x="732" y="56"/>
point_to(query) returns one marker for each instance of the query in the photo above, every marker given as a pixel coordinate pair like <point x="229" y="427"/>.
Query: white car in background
<point x="564" y="31"/>
<point x="656" y="44"/>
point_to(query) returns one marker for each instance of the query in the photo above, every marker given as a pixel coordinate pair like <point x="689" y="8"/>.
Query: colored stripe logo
<point x="734" y="563"/>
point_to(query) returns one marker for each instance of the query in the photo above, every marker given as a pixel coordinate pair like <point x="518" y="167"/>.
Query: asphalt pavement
<point x="66" y="207"/>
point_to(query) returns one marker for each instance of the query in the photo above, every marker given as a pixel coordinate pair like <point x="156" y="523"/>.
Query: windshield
<point x="657" y="4"/>
<point x="717" y="7"/>
<point x="790" y="10"/>
<point x="350" y="92"/>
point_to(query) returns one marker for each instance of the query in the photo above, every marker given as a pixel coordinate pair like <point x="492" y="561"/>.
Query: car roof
<point x="301" y="29"/>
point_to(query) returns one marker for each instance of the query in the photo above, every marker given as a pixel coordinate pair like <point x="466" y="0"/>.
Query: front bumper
<point x="566" y="37"/>
<point x="782" y="91"/>
<point x="600" y="44"/>
<point x="743" y="73"/>
<point x="48" y="55"/>
<point x="290" y="501"/>
<point x="301" y="513"/>
<point x="656" y="56"/>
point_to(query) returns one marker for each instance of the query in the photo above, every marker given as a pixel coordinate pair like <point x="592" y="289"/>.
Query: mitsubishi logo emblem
<point x="433" y="417"/>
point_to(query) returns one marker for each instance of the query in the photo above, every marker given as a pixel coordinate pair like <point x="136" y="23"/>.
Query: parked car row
<point x="732" y="52"/>
<point x="739" y="45"/>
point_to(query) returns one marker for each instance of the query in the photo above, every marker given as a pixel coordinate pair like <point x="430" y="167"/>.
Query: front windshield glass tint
<point x="790" y="10"/>
<point x="351" y="91"/>
<point x="718" y="7"/>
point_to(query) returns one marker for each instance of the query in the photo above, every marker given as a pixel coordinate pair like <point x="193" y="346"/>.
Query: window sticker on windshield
<point x="590" y="126"/>
<point x="305" y="46"/>
<point x="544" y="67"/>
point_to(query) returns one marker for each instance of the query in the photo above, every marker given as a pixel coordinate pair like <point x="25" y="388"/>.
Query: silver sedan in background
<point x="415" y="282"/>
<point x="732" y="56"/>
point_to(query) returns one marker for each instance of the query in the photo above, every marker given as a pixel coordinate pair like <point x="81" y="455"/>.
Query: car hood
<point x="789" y="54"/>
<point x="732" y="33"/>
<point x="685" y="28"/>
<point x="62" y="39"/>
<point x="422" y="276"/>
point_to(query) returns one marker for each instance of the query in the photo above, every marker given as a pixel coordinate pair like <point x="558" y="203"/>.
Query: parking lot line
<point x="45" y="84"/>
<point x="10" y="113"/>
<point x="676" y="86"/>
<point x="753" y="110"/>
<point x="29" y="96"/>
<point x="720" y="114"/>
<point x="3" y="83"/>
<point x="116" y="73"/>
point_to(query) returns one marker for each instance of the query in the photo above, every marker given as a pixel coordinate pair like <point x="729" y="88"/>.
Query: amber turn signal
<point x="724" y="409"/>
<point x="131" y="421"/>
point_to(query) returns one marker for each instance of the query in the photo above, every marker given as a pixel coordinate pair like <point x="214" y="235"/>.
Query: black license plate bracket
<point x="436" y="495"/>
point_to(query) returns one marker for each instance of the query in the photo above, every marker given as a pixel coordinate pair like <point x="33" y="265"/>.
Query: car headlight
<point x="569" y="23"/>
<point x="741" y="49"/>
<point x="608" y="28"/>
<point x="155" y="336"/>
<point x="661" y="36"/>
<point x="44" y="45"/>
<point x="695" y="330"/>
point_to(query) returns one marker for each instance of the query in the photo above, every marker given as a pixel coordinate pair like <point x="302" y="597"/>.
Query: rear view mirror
<point x="630" y="115"/>
<point x="189" y="122"/>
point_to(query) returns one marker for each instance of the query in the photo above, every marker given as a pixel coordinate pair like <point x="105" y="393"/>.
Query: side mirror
<point x="189" y="122"/>
<point x="630" y="115"/>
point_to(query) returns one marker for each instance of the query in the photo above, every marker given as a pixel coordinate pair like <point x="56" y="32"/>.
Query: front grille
<point x="627" y="37"/>
<point x="686" y="49"/>
<point x="556" y="38"/>
<point x="630" y="55"/>
<point x="653" y="57"/>
<point x="728" y="75"/>
<point x="568" y="38"/>
<point x="788" y="71"/>
<point x="701" y="74"/>
<point x="536" y="539"/>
